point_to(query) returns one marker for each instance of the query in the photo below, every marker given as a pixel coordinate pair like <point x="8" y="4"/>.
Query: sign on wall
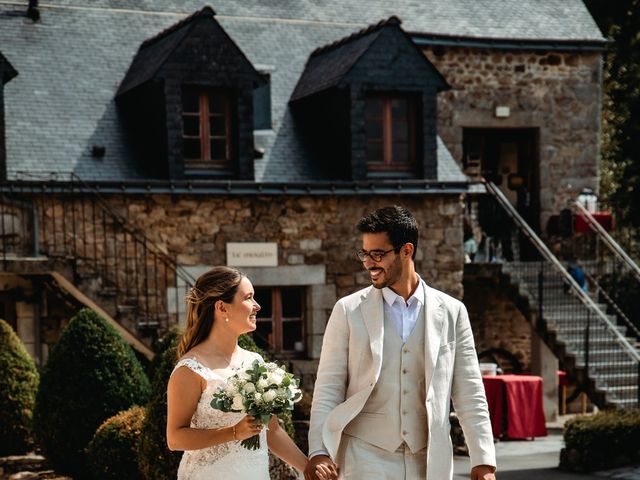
<point x="252" y="254"/>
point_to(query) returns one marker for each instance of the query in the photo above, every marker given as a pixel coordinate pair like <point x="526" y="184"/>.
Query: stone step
<point x="614" y="379"/>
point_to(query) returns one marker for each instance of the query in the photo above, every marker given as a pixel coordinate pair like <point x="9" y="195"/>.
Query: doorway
<point x="509" y="158"/>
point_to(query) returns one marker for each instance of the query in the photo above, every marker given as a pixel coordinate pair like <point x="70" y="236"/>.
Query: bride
<point x="220" y="307"/>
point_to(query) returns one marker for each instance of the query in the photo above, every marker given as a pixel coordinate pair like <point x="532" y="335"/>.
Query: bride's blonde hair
<point x="219" y="283"/>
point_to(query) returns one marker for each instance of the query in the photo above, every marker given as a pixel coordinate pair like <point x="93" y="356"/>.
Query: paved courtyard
<point x="538" y="460"/>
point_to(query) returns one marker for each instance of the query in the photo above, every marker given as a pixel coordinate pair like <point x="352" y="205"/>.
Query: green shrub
<point x="112" y="453"/>
<point x="91" y="375"/>
<point x="606" y="440"/>
<point x="155" y="460"/>
<point x="18" y="387"/>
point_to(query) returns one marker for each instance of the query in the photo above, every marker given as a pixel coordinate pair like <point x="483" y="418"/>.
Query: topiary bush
<point x="155" y="460"/>
<point x="91" y="375"/>
<point x="18" y="387"/>
<point x="605" y="440"/>
<point x="112" y="453"/>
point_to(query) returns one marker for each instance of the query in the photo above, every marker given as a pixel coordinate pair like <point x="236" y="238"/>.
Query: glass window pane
<point x="399" y="108"/>
<point x="374" y="130"/>
<point x="190" y="102"/>
<point x="263" y="335"/>
<point x="216" y="103"/>
<point x="217" y="126"/>
<point x="373" y="108"/>
<point x="263" y="297"/>
<point x="400" y="153"/>
<point x="218" y="150"/>
<point x="191" y="148"/>
<point x="191" y="125"/>
<point x="292" y="336"/>
<point x="374" y="152"/>
<point x="291" y="303"/>
<point x="400" y="131"/>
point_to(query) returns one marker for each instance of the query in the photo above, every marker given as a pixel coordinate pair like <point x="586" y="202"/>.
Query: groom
<point x="393" y="357"/>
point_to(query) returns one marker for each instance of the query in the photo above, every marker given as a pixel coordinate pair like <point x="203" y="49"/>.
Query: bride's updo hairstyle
<point x="219" y="283"/>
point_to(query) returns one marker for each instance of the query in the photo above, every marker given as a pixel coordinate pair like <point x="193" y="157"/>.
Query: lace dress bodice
<point x="227" y="460"/>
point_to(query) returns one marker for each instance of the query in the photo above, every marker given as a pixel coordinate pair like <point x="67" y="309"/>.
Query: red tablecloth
<point x="603" y="218"/>
<point x="515" y="405"/>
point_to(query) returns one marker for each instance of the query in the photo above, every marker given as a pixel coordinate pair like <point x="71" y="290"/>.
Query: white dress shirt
<point x="404" y="315"/>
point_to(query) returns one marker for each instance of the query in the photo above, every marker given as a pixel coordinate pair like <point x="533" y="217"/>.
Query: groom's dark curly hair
<point x="397" y="222"/>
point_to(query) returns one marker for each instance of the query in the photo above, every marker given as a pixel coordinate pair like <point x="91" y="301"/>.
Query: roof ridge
<point x="205" y="11"/>
<point x="392" y="20"/>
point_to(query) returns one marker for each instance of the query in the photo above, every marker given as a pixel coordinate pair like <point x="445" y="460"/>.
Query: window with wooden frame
<point x="207" y="126"/>
<point x="390" y="125"/>
<point x="280" y="321"/>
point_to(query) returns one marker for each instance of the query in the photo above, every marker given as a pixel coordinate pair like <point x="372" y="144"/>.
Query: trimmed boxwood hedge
<point x="112" y="453"/>
<point x="605" y="440"/>
<point x="91" y="375"/>
<point x="155" y="460"/>
<point x="18" y="387"/>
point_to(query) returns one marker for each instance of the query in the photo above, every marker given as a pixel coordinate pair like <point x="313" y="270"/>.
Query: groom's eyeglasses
<point x="375" y="255"/>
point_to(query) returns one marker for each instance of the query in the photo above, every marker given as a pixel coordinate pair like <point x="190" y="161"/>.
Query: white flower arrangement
<point x="263" y="390"/>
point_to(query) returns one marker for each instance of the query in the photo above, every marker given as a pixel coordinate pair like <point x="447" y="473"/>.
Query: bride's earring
<point x="226" y="319"/>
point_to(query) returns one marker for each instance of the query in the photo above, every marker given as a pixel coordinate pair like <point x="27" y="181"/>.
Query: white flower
<point x="243" y="375"/>
<point x="276" y="378"/>
<point x="257" y="397"/>
<point x="269" y="395"/>
<point x="238" y="403"/>
<point x="249" y="387"/>
<point x="230" y="389"/>
<point x="262" y="383"/>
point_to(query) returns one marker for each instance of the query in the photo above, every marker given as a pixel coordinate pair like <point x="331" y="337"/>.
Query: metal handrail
<point x="552" y="259"/>
<point x="629" y="324"/>
<point x="608" y="240"/>
<point x="136" y="233"/>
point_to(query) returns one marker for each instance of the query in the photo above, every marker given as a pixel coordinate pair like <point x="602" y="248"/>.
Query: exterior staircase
<point x="588" y="341"/>
<point x="67" y="236"/>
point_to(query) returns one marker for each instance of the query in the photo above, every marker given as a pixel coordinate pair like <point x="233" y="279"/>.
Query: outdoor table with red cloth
<point x="515" y="405"/>
<point x="603" y="218"/>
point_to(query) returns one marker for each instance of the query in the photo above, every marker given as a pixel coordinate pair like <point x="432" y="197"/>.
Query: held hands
<point x="246" y="428"/>
<point x="321" y="467"/>
<point x="483" y="472"/>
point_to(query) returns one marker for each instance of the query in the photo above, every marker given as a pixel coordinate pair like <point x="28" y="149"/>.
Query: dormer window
<point x="390" y="126"/>
<point x="207" y="126"/>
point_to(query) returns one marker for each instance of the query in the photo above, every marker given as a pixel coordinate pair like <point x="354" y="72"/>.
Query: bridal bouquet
<point x="262" y="390"/>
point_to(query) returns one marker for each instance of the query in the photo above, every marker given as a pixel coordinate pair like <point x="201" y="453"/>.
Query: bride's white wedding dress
<point x="228" y="460"/>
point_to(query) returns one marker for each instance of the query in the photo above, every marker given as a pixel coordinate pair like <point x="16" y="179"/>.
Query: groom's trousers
<point x="359" y="460"/>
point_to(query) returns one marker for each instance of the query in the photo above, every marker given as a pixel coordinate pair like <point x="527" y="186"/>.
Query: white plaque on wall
<point x="252" y="254"/>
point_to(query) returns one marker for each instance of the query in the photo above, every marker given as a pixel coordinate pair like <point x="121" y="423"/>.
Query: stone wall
<point x="495" y="319"/>
<point x="558" y="93"/>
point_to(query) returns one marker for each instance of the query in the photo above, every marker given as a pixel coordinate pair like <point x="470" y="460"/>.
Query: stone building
<point x="142" y="144"/>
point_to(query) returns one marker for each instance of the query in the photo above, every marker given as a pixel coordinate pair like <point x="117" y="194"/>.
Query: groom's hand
<point x="483" y="472"/>
<point x="322" y="464"/>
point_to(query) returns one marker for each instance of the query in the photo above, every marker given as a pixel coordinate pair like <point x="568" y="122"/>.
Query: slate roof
<point x="327" y="65"/>
<point x="72" y="62"/>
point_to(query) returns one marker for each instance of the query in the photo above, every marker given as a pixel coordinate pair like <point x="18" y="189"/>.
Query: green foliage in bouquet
<point x="605" y="440"/>
<point x="18" y="387"/>
<point x="91" y="375"/>
<point x="155" y="460"/>
<point x="112" y="453"/>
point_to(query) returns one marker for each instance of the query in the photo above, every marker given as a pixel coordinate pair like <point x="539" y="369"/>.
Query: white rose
<point x="269" y="395"/>
<point x="276" y="378"/>
<point x="230" y="389"/>
<point x="249" y="387"/>
<point x="263" y="383"/>
<point x="238" y="403"/>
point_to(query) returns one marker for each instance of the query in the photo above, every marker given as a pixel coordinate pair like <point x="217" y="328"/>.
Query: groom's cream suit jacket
<point x="350" y="365"/>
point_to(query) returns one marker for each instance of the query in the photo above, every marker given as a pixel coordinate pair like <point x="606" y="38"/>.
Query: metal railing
<point x="576" y="323"/>
<point x="71" y="221"/>
<point x="613" y="273"/>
